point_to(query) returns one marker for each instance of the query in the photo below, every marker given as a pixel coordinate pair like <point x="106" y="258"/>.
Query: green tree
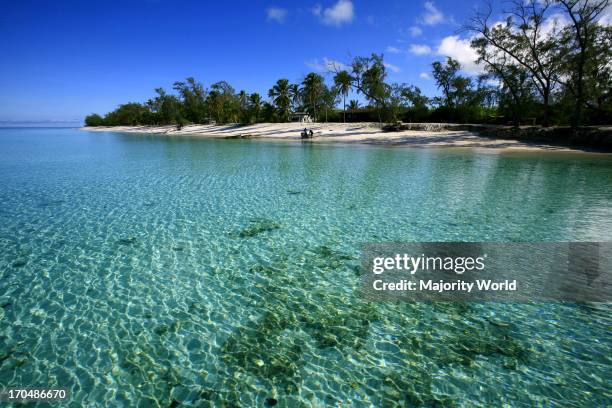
<point x="342" y="80"/>
<point x="255" y="106"/>
<point x="581" y="49"/>
<point x="268" y="112"/>
<point x="127" y="114"/>
<point x="597" y="79"/>
<point x="522" y="39"/>
<point x="243" y="106"/>
<point x="282" y="95"/>
<point x="94" y="120"/>
<point x="413" y="95"/>
<point x="445" y="75"/>
<point x="516" y="89"/>
<point x="296" y="97"/>
<point x="329" y="99"/>
<point x="461" y="100"/>
<point x="368" y="78"/>
<point x="193" y="98"/>
<point x="396" y="101"/>
<point x="403" y="97"/>
<point x="313" y="87"/>
<point x="222" y="103"/>
<point x="166" y="108"/>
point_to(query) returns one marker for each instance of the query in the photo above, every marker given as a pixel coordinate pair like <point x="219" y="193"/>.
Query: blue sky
<point x="62" y="60"/>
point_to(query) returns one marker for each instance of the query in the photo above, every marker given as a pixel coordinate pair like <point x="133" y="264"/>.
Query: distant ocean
<point x="39" y="124"/>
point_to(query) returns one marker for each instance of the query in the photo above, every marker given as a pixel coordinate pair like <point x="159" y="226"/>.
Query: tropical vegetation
<point x="535" y="72"/>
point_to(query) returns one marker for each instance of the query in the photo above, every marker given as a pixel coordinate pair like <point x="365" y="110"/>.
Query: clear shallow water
<point x="140" y="270"/>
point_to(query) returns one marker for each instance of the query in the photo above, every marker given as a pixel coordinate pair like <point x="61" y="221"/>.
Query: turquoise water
<point x="148" y="270"/>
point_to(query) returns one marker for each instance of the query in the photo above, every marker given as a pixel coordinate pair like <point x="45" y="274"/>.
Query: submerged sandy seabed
<point x="341" y="132"/>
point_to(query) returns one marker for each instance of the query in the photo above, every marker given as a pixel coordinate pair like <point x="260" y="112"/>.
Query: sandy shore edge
<point x="368" y="133"/>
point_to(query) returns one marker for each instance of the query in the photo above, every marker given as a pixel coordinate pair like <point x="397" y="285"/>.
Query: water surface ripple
<point x="152" y="271"/>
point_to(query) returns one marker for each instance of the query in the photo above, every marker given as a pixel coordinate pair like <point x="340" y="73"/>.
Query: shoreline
<point x="424" y="136"/>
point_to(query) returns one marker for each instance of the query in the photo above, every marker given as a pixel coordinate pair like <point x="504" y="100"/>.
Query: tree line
<point x="534" y="72"/>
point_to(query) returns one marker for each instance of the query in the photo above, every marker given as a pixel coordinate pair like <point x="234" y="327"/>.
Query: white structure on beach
<point x="301" y="117"/>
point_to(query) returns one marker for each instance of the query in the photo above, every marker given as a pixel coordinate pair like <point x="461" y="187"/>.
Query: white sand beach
<point x="433" y="135"/>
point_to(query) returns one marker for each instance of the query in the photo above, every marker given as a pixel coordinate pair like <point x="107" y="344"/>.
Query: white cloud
<point x="420" y="49"/>
<point x="340" y="13"/>
<point x="392" y="50"/>
<point x="432" y="15"/>
<point x="391" y="67"/>
<point x="276" y="14"/>
<point x="415" y="31"/>
<point x="459" y="49"/>
<point x="326" y="65"/>
<point x="424" y="75"/>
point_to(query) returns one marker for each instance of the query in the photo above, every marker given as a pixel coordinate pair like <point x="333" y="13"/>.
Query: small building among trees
<point x="301" y="117"/>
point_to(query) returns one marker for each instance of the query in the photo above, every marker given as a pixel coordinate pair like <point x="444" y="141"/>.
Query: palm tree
<point x="342" y="80"/>
<point x="312" y="90"/>
<point x="243" y="105"/>
<point x="255" y="106"/>
<point x="282" y="94"/>
<point x="295" y="95"/>
<point x="353" y="104"/>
